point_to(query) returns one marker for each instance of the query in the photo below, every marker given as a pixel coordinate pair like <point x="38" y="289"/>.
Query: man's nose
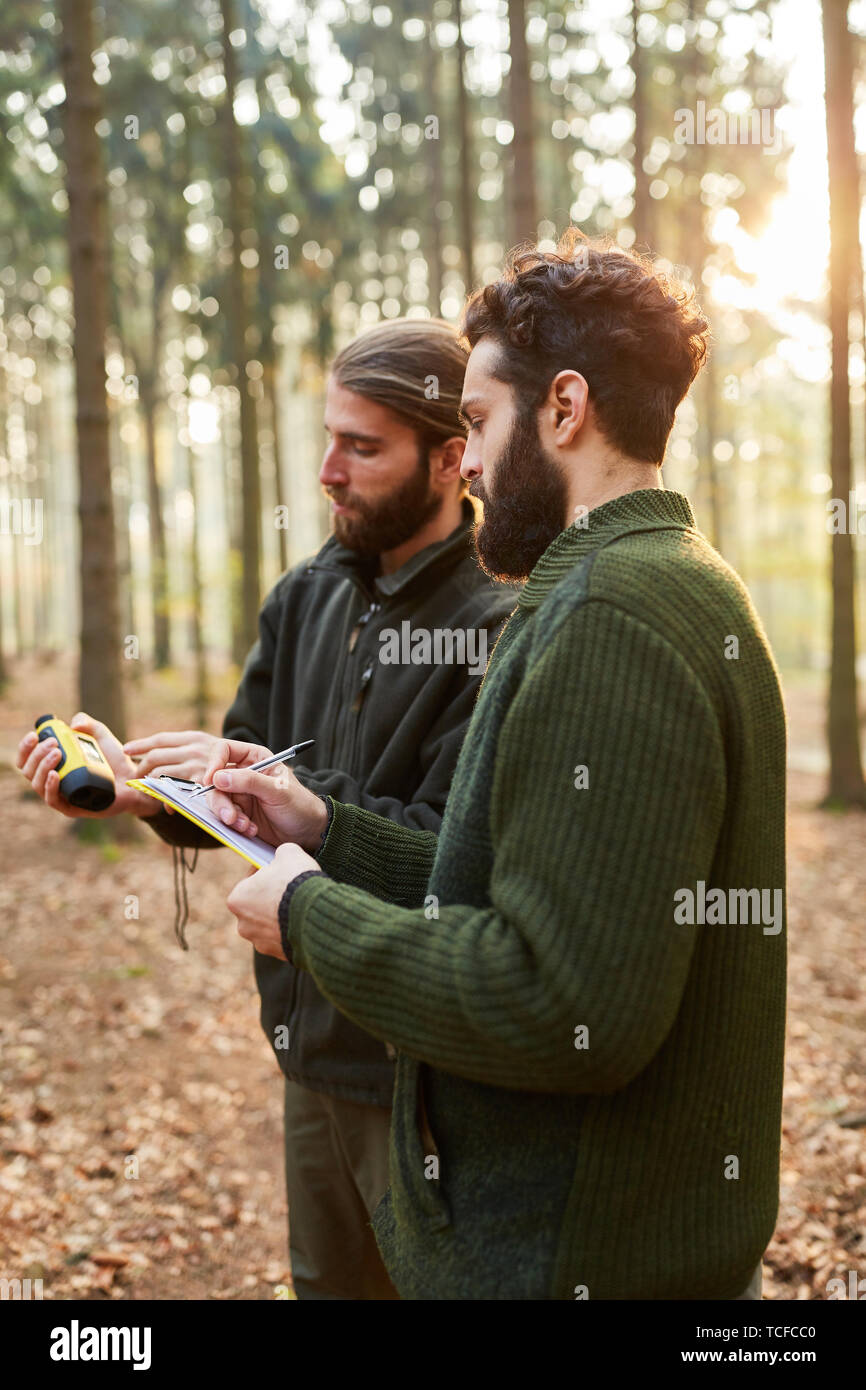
<point x="333" y="472"/>
<point x="470" y="467"/>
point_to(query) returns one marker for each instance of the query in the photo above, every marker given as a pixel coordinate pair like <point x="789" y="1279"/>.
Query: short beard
<point x="527" y="509"/>
<point x="382" y="526"/>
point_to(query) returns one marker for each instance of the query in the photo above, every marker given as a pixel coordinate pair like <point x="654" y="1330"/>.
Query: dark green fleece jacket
<point x="387" y="736"/>
<point x="585" y="974"/>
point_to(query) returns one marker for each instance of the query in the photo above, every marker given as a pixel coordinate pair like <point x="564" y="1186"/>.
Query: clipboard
<point x="166" y="789"/>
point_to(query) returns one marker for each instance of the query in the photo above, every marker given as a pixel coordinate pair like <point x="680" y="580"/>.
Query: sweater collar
<point x="646" y="509"/>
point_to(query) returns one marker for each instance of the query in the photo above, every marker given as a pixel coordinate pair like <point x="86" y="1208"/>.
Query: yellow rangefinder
<point x="86" y="780"/>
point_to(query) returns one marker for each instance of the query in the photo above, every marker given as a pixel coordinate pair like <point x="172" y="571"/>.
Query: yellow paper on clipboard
<point x="164" y="789"/>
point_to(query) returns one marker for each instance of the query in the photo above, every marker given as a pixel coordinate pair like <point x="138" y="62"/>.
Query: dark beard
<point x="526" y="512"/>
<point x="380" y="526"/>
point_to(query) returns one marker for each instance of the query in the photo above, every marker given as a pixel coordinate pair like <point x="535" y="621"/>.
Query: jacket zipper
<point x="364" y="618"/>
<point x="341" y="734"/>
<point x="358" y="702"/>
<point x="357" y="705"/>
<point x="355" y="717"/>
<point x="366" y="677"/>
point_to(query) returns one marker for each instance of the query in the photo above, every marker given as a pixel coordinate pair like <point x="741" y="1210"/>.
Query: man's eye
<point x="475" y="424"/>
<point x="364" y="453"/>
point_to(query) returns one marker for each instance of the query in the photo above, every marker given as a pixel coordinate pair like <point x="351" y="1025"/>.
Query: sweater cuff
<point x="329" y="806"/>
<point x="285" y="905"/>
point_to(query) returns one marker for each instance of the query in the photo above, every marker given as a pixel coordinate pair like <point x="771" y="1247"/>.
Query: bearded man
<point x="387" y="734"/>
<point x="589" y="1085"/>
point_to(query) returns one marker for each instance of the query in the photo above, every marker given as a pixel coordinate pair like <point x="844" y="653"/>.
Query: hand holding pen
<point x="270" y="761"/>
<point x="277" y="808"/>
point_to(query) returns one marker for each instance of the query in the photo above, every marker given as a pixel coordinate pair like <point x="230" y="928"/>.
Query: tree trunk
<point x="281" y="492"/>
<point x="695" y="250"/>
<point x="521" y="199"/>
<point x="466" y="196"/>
<point x="435" y="181"/>
<point x="4" y="675"/>
<point x="22" y="637"/>
<point x="156" y="530"/>
<point x="121" y="491"/>
<point x="202" y="693"/>
<point x="148" y="394"/>
<point x="239" y="323"/>
<point x="4" y="588"/>
<point x="4" y="671"/>
<point x="22" y="587"/>
<point x="709" y="391"/>
<point x="13" y="587"/>
<point x="100" y="687"/>
<point x="52" y="638"/>
<point x="40" y="561"/>
<point x="126" y="597"/>
<point x="643" y="203"/>
<point x="843" y="734"/>
<point x="231" y="492"/>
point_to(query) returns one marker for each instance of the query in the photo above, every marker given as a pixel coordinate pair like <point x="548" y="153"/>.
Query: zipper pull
<point x="362" y="690"/>
<point x="356" y="630"/>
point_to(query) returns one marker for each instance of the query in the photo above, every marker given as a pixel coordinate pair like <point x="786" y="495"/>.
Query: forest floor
<point x="115" y="1043"/>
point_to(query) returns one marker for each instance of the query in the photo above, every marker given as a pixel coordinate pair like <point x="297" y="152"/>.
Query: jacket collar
<point x="361" y="569"/>
<point x="649" y="509"/>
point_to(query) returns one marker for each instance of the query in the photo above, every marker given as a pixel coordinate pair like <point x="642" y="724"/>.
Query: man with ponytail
<point x="387" y="734"/>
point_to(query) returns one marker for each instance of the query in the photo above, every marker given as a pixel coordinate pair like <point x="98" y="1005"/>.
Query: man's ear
<point x="446" y="458"/>
<point x="566" y="407"/>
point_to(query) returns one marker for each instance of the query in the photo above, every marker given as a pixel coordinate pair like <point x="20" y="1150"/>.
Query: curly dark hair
<point x="636" y="335"/>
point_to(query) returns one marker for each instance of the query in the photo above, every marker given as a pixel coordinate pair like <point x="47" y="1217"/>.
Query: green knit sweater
<point x="588" y="1096"/>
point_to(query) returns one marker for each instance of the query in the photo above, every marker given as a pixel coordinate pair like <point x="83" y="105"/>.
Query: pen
<point x="266" y="762"/>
